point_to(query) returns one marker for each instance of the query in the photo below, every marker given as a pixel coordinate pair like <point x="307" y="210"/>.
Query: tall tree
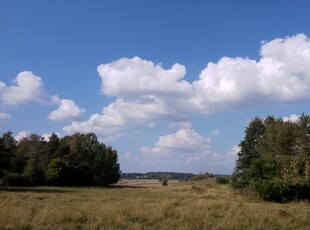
<point x="7" y="153"/>
<point x="248" y="152"/>
<point x="274" y="159"/>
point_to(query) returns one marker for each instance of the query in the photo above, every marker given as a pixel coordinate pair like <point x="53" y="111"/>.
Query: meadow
<point x="143" y="204"/>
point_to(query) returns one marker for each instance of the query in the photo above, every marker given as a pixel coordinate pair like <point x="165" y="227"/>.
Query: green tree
<point x="165" y="182"/>
<point x="106" y="169"/>
<point x="79" y="159"/>
<point x="32" y="158"/>
<point x="91" y="161"/>
<point x="276" y="162"/>
<point x="248" y="152"/>
<point x="7" y="153"/>
<point x="53" y="147"/>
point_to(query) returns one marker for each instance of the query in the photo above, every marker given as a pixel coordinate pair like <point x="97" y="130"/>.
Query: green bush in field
<point x="222" y="180"/>
<point x="165" y="182"/>
<point x="282" y="190"/>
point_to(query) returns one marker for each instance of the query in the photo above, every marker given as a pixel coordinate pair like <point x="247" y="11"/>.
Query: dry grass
<point x="202" y="205"/>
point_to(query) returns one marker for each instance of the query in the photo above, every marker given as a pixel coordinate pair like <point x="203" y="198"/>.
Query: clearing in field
<point x="145" y="204"/>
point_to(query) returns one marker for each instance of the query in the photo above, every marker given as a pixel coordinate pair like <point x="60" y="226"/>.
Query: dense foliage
<point x="222" y="180"/>
<point x="79" y="160"/>
<point x="274" y="159"/>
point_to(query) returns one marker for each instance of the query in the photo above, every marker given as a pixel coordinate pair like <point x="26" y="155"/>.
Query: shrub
<point x="283" y="190"/>
<point x="165" y="182"/>
<point x="15" y="179"/>
<point x="200" y="177"/>
<point x="222" y="180"/>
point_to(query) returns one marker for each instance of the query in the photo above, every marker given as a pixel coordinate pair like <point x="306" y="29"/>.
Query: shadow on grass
<point x="123" y="186"/>
<point x="62" y="189"/>
<point x="35" y="189"/>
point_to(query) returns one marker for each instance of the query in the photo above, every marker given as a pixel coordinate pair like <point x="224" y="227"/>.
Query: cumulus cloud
<point x="27" y="88"/>
<point x="5" y="116"/>
<point x="187" y="147"/>
<point x="21" y="135"/>
<point x="67" y="110"/>
<point x="127" y="78"/>
<point x="293" y="118"/>
<point x="281" y="75"/>
<point x="184" y="143"/>
<point x="147" y="93"/>
<point x="122" y="116"/>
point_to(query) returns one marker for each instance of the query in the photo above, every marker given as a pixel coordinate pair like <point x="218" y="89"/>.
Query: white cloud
<point x="67" y="110"/>
<point x="21" y="135"/>
<point x="121" y="116"/>
<point x="185" y="143"/>
<point x="5" y="116"/>
<point x="147" y="93"/>
<point x="47" y="136"/>
<point x="231" y="156"/>
<point x="281" y="75"/>
<point x="187" y="147"/>
<point x="293" y="118"/>
<point x="27" y="88"/>
<point x="133" y="78"/>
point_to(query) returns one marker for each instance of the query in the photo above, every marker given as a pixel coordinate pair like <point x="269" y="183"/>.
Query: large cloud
<point x="28" y="88"/>
<point x="282" y="75"/>
<point x="121" y="116"/>
<point x="131" y="78"/>
<point x="146" y="93"/>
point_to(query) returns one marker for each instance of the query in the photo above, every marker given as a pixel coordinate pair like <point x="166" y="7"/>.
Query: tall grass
<point x="202" y="205"/>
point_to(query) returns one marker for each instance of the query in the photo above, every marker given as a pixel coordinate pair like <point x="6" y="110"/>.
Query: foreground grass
<point x="202" y="205"/>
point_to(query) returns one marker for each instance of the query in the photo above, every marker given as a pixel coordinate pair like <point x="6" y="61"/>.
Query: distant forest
<point x="158" y="175"/>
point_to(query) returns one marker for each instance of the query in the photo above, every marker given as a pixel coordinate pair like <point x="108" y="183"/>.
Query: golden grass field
<point x="145" y="204"/>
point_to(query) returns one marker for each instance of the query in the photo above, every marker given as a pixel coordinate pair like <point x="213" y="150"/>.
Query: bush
<point x="200" y="177"/>
<point x="15" y="179"/>
<point x="165" y="182"/>
<point x="222" y="180"/>
<point x="283" y="190"/>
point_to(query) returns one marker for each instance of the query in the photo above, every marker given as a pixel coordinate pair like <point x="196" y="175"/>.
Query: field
<point x="143" y="204"/>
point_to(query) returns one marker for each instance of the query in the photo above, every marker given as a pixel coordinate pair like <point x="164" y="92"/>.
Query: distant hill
<point x="158" y="175"/>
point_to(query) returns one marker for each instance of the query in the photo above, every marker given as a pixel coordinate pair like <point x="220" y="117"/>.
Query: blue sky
<point x="170" y="84"/>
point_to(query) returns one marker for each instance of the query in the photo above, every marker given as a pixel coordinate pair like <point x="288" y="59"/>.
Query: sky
<point x="170" y="84"/>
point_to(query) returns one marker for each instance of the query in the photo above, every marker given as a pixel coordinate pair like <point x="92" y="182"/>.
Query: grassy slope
<point x="202" y="205"/>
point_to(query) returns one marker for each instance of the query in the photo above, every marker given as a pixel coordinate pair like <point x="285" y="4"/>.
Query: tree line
<point x="274" y="159"/>
<point x="76" y="160"/>
<point x="158" y="175"/>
